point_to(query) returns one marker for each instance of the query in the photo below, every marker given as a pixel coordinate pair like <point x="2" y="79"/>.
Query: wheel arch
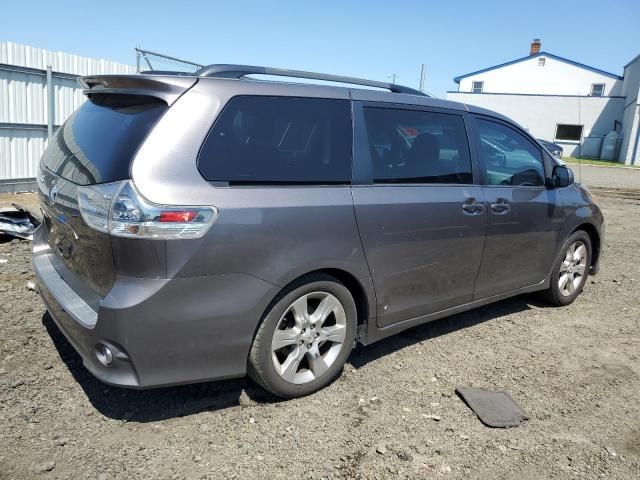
<point x="355" y="288"/>
<point x="365" y="304"/>
<point x="594" y="236"/>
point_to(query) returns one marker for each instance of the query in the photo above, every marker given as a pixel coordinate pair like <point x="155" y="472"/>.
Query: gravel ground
<point x="392" y="414"/>
<point x="612" y="177"/>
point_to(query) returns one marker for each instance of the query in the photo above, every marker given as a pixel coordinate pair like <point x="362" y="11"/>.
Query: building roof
<point x="635" y="59"/>
<point x="541" y="54"/>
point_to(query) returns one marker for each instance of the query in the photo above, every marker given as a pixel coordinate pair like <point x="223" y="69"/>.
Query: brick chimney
<point x="535" y="46"/>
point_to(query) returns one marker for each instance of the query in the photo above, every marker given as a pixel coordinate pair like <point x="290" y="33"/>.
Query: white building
<point x="38" y="90"/>
<point x="561" y="100"/>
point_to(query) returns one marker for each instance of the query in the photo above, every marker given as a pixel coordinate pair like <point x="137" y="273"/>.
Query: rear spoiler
<point x="166" y="87"/>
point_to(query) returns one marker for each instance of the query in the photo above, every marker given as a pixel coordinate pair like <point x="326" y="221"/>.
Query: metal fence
<point x="38" y="91"/>
<point x="147" y="60"/>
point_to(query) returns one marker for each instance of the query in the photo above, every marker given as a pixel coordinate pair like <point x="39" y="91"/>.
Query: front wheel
<point x="571" y="269"/>
<point x="305" y="338"/>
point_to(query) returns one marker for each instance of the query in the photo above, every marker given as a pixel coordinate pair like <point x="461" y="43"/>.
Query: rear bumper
<point x="160" y="331"/>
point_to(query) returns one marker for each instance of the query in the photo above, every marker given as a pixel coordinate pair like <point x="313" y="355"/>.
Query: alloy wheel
<point x="308" y="337"/>
<point x="573" y="268"/>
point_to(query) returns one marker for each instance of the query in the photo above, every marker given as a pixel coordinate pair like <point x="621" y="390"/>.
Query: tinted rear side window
<point x="279" y="140"/>
<point x="413" y="146"/>
<point x="97" y="143"/>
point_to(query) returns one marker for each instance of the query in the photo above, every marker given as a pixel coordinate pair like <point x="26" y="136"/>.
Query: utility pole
<point x="423" y="74"/>
<point x="137" y="58"/>
<point x="51" y="103"/>
<point x="393" y="78"/>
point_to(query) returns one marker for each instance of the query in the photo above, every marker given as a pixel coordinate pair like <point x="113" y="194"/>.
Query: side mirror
<point x="562" y="176"/>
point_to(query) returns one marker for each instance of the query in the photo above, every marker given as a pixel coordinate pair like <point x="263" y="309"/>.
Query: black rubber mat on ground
<point x="495" y="409"/>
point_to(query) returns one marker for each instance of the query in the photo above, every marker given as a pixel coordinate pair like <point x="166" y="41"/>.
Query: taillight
<point x="118" y="209"/>
<point x="178" y="216"/>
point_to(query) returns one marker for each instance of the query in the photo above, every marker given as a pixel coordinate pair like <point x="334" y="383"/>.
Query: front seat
<point x="423" y="157"/>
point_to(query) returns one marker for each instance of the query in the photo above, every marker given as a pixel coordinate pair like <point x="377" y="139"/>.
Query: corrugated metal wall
<point x="20" y="150"/>
<point x="24" y="102"/>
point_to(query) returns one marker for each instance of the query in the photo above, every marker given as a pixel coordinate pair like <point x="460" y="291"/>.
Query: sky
<point x="369" y="39"/>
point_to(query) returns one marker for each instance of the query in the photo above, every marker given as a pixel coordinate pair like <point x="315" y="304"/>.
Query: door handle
<point x="471" y="207"/>
<point x="500" y="207"/>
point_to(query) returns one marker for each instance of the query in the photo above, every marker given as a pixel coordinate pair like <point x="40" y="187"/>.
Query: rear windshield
<point x="96" y="144"/>
<point x="279" y="140"/>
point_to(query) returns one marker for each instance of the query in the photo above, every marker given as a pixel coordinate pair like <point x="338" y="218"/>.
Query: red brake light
<point x="178" y="216"/>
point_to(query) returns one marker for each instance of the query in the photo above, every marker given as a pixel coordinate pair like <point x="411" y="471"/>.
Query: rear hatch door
<point x="95" y="145"/>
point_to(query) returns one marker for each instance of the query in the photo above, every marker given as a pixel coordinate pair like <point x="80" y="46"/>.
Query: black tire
<point x="261" y="367"/>
<point x="554" y="294"/>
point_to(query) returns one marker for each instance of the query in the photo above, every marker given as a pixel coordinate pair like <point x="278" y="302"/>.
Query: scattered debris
<point x="404" y="455"/>
<point x="381" y="449"/>
<point x="61" y="442"/>
<point x="435" y="418"/>
<point x="494" y="409"/>
<point x="611" y="451"/>
<point x="44" y="467"/>
<point x="18" y="222"/>
<point x="31" y="286"/>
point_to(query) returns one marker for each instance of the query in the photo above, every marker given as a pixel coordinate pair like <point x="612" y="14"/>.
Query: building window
<point x="570" y="133"/>
<point x="477" y="87"/>
<point x="541" y="61"/>
<point x="597" y="90"/>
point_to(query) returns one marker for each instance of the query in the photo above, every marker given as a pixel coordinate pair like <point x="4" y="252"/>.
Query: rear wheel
<point x="305" y="338"/>
<point x="571" y="269"/>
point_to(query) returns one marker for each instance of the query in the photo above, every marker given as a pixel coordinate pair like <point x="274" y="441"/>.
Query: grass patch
<point x="591" y="161"/>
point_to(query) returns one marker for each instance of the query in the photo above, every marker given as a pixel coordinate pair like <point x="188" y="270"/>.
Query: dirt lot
<point x="576" y="370"/>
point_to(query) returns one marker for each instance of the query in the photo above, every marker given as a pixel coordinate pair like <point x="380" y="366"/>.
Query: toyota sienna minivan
<point x="208" y="226"/>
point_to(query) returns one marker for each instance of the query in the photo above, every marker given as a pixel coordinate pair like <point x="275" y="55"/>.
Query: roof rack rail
<point x="239" y="71"/>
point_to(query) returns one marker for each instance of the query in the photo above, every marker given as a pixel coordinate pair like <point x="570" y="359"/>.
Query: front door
<point x="421" y="215"/>
<point x="522" y="217"/>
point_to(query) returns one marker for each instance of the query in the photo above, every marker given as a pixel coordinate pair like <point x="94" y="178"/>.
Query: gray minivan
<point x="206" y="226"/>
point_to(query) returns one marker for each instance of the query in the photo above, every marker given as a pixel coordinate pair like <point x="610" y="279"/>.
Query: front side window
<point x="411" y="146"/>
<point x="509" y="158"/>
<point x="279" y="140"/>
<point x="570" y="133"/>
<point x="597" y="90"/>
<point x="477" y="87"/>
